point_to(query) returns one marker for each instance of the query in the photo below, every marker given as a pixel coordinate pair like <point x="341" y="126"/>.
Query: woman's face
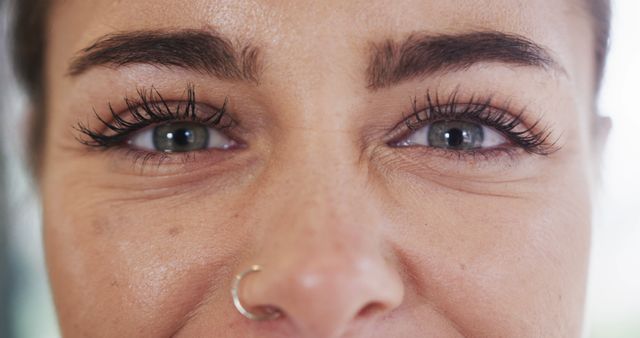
<point x="398" y="168"/>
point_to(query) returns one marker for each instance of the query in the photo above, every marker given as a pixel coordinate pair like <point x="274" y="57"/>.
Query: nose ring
<point x="269" y="313"/>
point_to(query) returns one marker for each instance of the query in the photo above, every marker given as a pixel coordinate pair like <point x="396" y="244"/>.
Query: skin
<point x="356" y="238"/>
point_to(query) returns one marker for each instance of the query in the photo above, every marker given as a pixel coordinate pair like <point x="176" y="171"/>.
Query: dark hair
<point x="29" y="46"/>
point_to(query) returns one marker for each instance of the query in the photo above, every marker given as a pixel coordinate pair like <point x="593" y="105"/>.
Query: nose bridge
<point x="324" y="203"/>
<point x="316" y="172"/>
<point x="318" y="191"/>
<point x="314" y="215"/>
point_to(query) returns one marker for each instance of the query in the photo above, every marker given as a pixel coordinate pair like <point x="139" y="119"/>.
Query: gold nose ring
<point x="270" y="313"/>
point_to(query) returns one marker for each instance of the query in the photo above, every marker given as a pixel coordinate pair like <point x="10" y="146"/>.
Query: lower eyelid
<point x="468" y="159"/>
<point x="146" y="163"/>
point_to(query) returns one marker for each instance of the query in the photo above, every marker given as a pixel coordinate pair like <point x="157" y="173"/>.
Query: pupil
<point x="182" y="137"/>
<point x="455" y="137"/>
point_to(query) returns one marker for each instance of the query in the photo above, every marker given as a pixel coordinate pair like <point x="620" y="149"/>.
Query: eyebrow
<point x="193" y="49"/>
<point x="392" y="62"/>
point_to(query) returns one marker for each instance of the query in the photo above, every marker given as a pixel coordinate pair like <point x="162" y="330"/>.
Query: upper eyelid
<point x="155" y="109"/>
<point x="535" y="135"/>
<point x="396" y="130"/>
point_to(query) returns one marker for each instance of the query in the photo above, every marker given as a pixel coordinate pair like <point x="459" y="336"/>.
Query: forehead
<point x="271" y="21"/>
<point x="325" y="29"/>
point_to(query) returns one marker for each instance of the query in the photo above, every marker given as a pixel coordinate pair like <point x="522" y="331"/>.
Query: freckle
<point x="114" y="283"/>
<point x="98" y="227"/>
<point x="463" y="267"/>
<point x="173" y="232"/>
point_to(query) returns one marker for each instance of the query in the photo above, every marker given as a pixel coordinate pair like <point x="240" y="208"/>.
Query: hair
<point x="30" y="43"/>
<point x="29" y="46"/>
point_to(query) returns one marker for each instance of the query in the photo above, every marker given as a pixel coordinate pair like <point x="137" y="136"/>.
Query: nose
<point x="325" y="271"/>
<point x="323" y="294"/>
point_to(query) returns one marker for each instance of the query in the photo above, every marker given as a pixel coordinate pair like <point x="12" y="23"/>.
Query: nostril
<point x="258" y="312"/>
<point x="270" y="312"/>
<point x="370" y="310"/>
<point x="262" y="313"/>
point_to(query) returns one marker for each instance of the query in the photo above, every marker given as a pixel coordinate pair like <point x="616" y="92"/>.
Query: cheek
<point x="500" y="266"/>
<point x="114" y="265"/>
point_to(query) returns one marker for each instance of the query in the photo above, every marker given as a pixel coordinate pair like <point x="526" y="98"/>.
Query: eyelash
<point x="150" y="108"/>
<point x="534" y="139"/>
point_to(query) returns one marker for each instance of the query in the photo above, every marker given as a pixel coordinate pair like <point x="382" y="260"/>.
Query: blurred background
<point x="614" y="309"/>
<point x="614" y="294"/>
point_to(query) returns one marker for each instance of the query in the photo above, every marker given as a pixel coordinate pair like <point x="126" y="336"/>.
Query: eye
<point x="455" y="135"/>
<point x="178" y="137"/>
